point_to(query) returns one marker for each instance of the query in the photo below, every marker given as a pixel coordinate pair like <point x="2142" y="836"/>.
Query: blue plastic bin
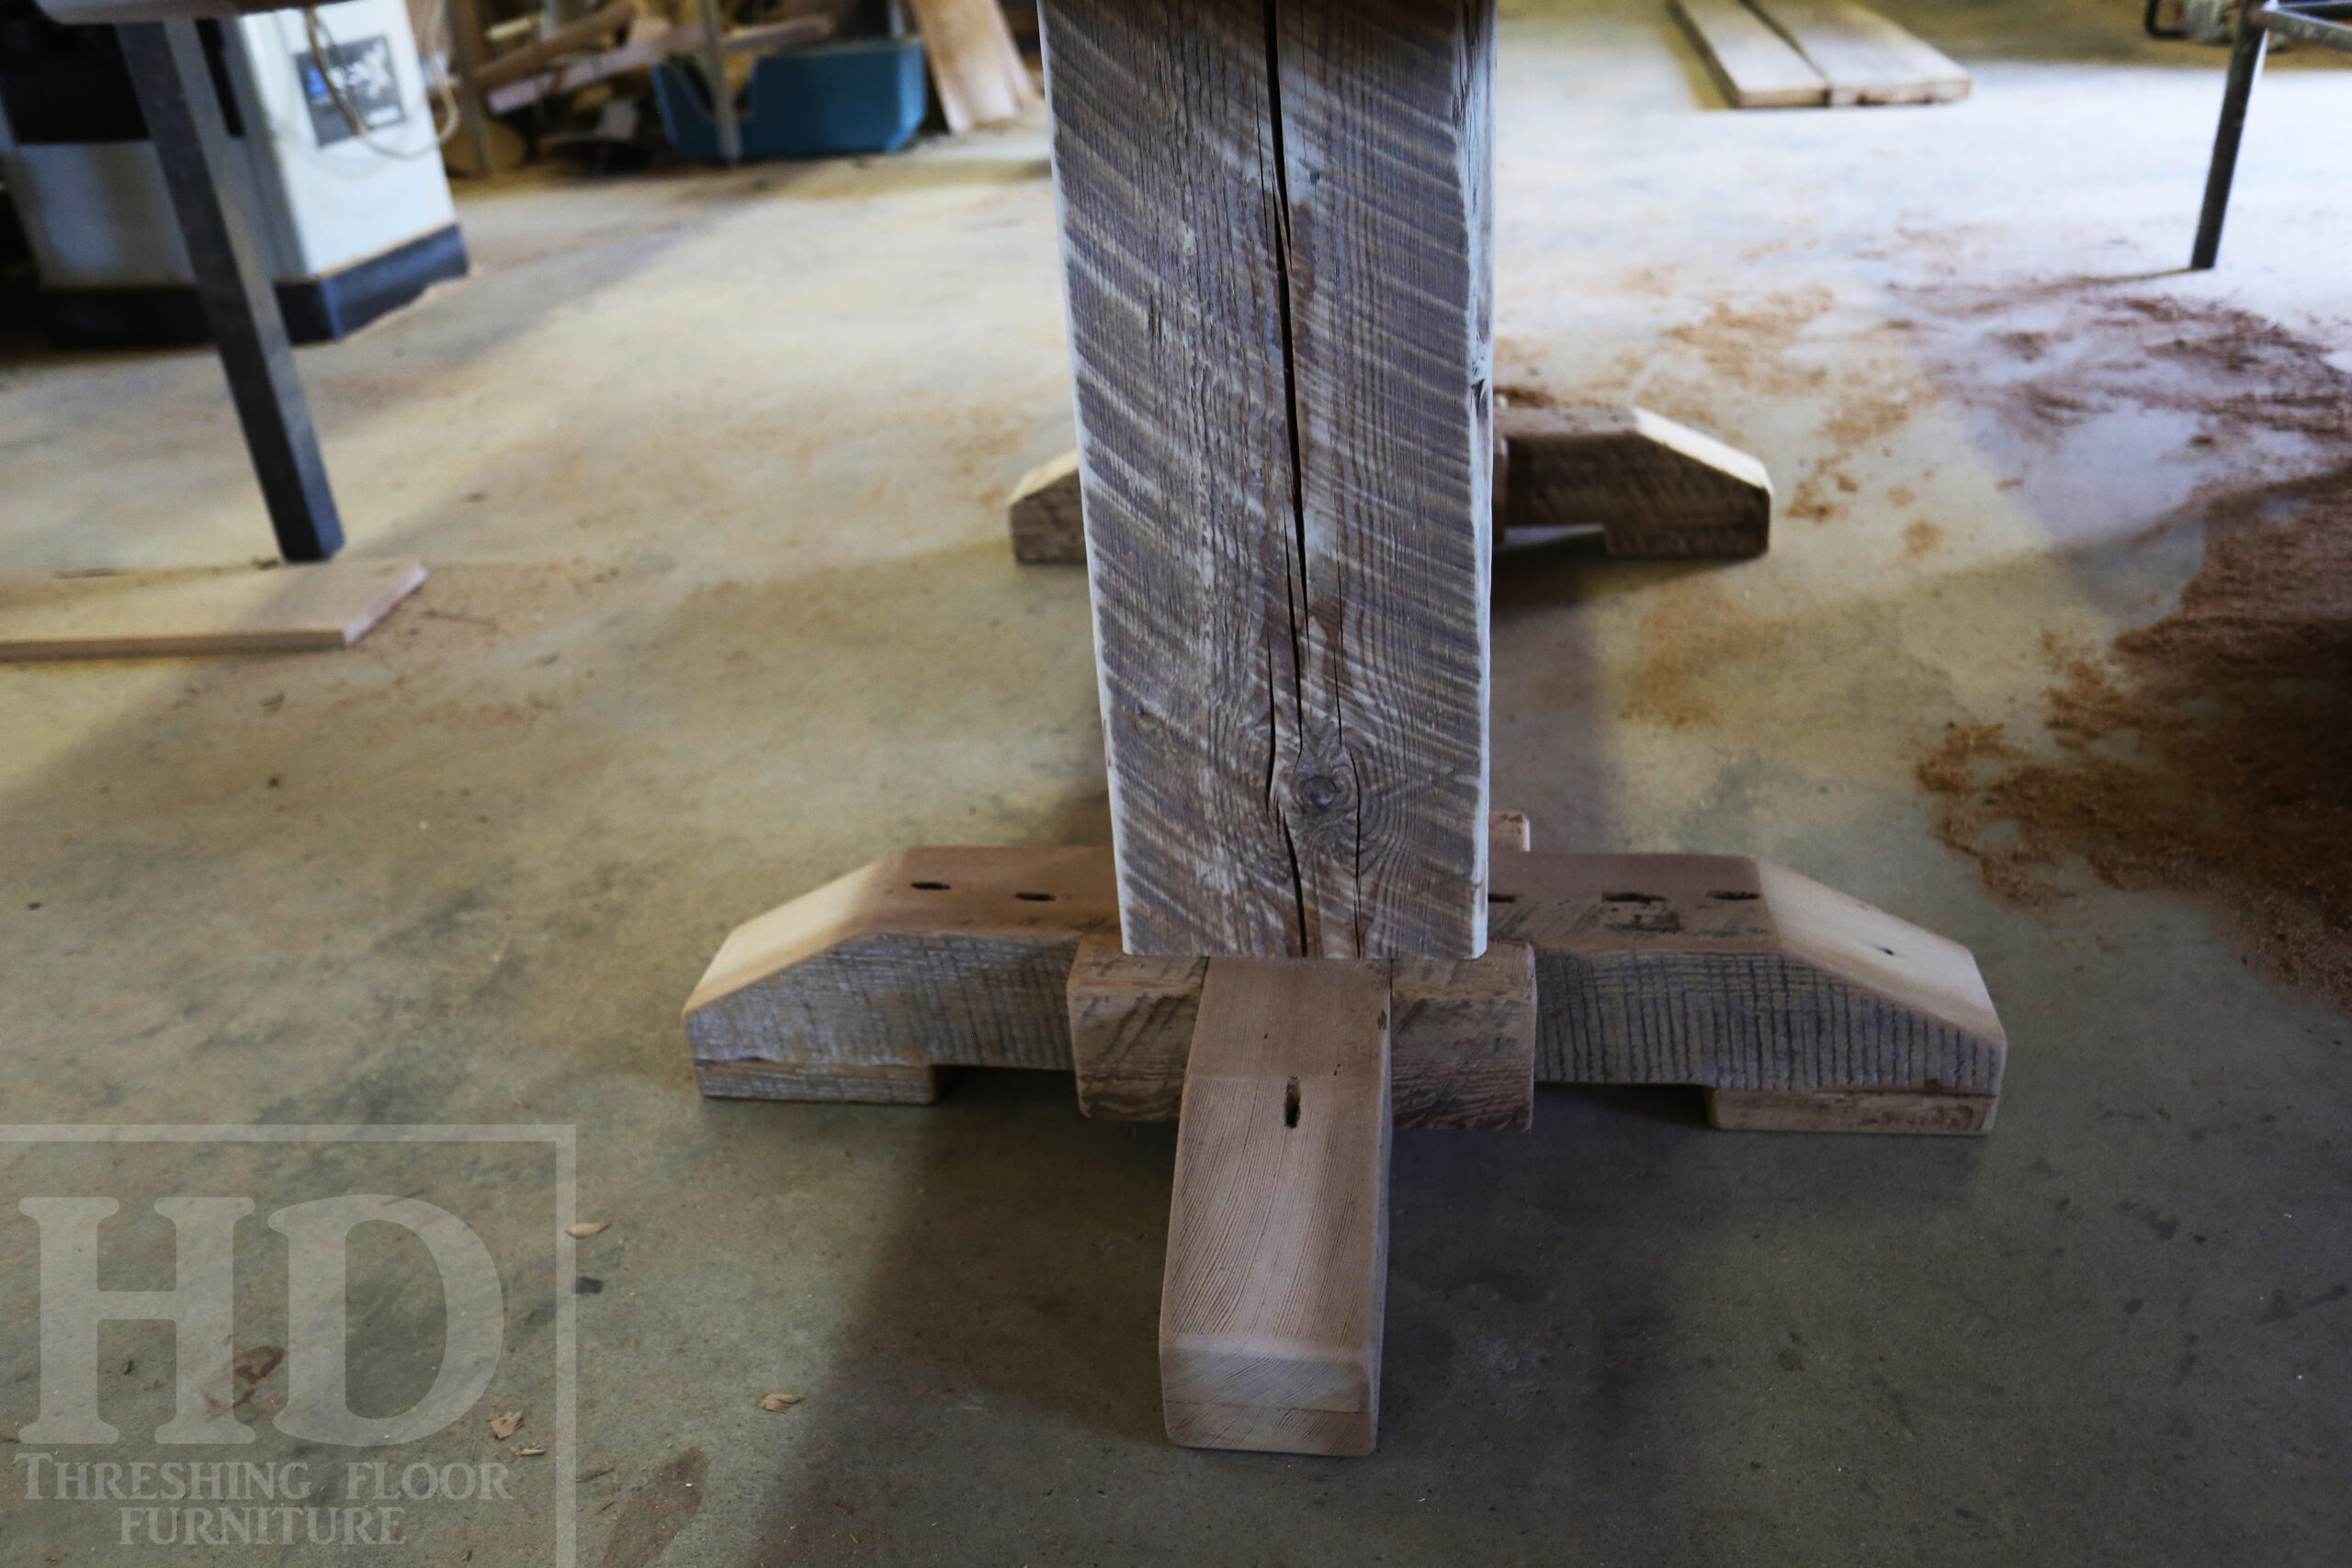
<point x="866" y="95"/>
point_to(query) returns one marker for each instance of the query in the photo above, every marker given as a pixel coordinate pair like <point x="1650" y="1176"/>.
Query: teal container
<point x="866" y="95"/>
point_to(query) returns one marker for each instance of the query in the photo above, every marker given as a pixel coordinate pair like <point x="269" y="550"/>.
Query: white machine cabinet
<point x="351" y="223"/>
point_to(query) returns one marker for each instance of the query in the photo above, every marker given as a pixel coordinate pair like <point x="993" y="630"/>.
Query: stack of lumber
<point x="568" y="60"/>
<point x="1815" y="54"/>
<point x="979" y="73"/>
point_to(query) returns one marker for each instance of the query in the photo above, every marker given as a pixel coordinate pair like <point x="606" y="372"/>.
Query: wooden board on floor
<point x="1756" y="67"/>
<point x="1277" y="1277"/>
<point x="978" y="72"/>
<point x="288" y="609"/>
<point x="1282" y="357"/>
<point x="1864" y="57"/>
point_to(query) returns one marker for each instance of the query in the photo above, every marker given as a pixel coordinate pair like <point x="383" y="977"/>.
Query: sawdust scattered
<point x="2210" y="752"/>
<point x="1921" y="539"/>
<point x="1688" y="635"/>
<point x="1748" y="348"/>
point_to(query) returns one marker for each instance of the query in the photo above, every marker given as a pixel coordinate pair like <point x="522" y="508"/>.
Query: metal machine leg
<point x="210" y="197"/>
<point x="2245" y="64"/>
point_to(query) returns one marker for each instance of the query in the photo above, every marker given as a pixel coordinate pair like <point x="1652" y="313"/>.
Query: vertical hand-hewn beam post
<point x="1274" y="219"/>
<point x="1276" y="252"/>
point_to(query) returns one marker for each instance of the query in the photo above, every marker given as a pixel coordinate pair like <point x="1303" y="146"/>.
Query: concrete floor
<point x="708" y="469"/>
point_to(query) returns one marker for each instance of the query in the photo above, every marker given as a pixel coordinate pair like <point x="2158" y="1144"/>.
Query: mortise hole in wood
<point x="1035" y="898"/>
<point x="931" y="886"/>
<point x="1290" y="1103"/>
<point x="1735" y="896"/>
<point x="1502" y="897"/>
<point x="1633" y="898"/>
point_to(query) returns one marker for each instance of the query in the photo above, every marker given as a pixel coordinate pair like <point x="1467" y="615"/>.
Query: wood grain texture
<point x="1864" y="57"/>
<point x="931" y="957"/>
<point x="818" y="1082"/>
<point x="1850" y="1110"/>
<point x="975" y="67"/>
<point x="1755" y="66"/>
<point x="1045" y="515"/>
<point x="1654" y="487"/>
<point x="1462" y="1039"/>
<point x="1275" y="259"/>
<point x="1716" y="971"/>
<point x="1729" y="973"/>
<point x="1657" y="489"/>
<point x="293" y="609"/>
<point x="1272" y="1305"/>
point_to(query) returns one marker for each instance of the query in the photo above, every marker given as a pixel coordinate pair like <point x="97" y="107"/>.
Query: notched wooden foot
<point x="1740" y="975"/>
<point x="933" y="957"/>
<point x="1657" y="489"/>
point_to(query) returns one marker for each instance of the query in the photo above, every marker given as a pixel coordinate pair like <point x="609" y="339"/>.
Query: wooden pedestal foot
<point x="1806" y="1009"/>
<point x="1270" y="1315"/>
<point x="933" y="957"/>
<point x="1657" y="489"/>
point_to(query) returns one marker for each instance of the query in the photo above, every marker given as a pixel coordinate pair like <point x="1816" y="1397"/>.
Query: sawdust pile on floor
<point x="2210" y="752"/>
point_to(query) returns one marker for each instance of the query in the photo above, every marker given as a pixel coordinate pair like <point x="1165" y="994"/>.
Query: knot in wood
<point x="1320" y="792"/>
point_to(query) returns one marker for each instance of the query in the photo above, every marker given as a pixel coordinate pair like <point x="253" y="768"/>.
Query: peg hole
<point x="1502" y="897"/>
<point x="1734" y="895"/>
<point x="1035" y="898"/>
<point x="1633" y="898"/>
<point x="1290" y="1104"/>
<point x="931" y="886"/>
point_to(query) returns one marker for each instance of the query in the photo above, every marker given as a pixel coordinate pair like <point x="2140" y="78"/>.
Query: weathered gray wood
<point x="1277" y="275"/>
<point x="1737" y="974"/>
<point x="1462" y="1042"/>
<point x="1711" y="970"/>
<point x="1657" y="489"/>
<point x="1277" y="1276"/>
<point x="1756" y="67"/>
<point x="1045" y="515"/>
<point x="1849" y="1111"/>
<point x="931" y="957"/>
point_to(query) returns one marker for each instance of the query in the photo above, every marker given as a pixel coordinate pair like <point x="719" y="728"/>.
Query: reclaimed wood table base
<point x="1797" y="1007"/>
<point x="1276" y="223"/>
<point x="1794" y="1008"/>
